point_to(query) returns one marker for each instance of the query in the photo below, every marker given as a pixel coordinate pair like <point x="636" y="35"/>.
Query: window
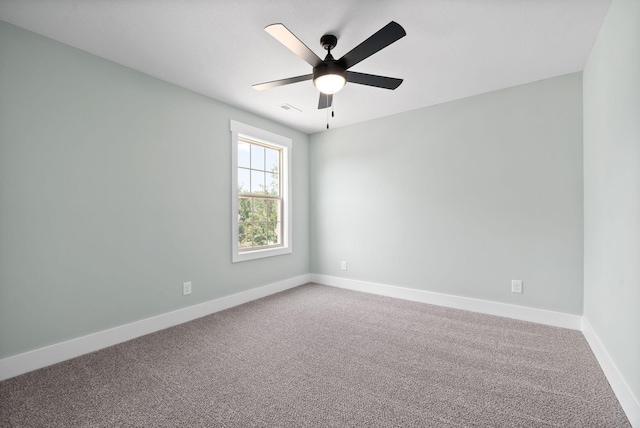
<point x="261" y="193"/>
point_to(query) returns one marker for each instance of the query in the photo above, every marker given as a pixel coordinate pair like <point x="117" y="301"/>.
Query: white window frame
<point x="239" y="129"/>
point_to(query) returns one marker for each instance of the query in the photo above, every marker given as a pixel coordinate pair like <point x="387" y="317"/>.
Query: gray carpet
<point x="318" y="356"/>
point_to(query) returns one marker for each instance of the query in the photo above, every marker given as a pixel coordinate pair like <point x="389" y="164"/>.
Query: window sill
<point x="259" y="254"/>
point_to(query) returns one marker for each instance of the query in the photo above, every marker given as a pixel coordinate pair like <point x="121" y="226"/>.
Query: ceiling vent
<point x="286" y="106"/>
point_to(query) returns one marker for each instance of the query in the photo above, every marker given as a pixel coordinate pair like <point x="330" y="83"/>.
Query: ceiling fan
<point x="330" y="75"/>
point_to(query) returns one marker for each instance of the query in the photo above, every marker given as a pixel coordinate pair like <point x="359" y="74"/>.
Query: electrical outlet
<point x="516" y="286"/>
<point x="343" y="265"/>
<point x="186" y="288"/>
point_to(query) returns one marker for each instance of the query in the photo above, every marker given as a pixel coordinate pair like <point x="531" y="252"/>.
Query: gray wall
<point x="459" y="198"/>
<point x="612" y="188"/>
<point x="114" y="189"/>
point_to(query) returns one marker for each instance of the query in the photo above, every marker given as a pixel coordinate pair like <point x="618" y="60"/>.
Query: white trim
<point x="625" y="396"/>
<point x="556" y="319"/>
<point x="251" y="132"/>
<point x="43" y="357"/>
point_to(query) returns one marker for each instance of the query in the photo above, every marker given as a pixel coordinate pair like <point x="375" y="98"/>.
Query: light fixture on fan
<point x="330" y="81"/>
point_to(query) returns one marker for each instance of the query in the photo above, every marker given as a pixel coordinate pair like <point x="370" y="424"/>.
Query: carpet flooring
<point x="318" y="356"/>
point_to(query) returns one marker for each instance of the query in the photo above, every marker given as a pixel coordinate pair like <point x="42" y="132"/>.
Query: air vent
<point x="286" y="106"/>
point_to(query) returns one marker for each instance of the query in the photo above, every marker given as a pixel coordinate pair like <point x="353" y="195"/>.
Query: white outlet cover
<point x="516" y="286"/>
<point x="186" y="288"/>
<point x="343" y="265"/>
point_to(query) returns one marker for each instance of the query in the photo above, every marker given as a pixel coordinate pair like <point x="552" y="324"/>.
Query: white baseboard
<point x="541" y="316"/>
<point x="627" y="400"/>
<point x="43" y="357"/>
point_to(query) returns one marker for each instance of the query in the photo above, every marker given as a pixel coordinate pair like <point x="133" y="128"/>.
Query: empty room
<point x="320" y="214"/>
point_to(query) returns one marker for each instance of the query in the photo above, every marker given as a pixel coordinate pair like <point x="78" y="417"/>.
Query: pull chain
<point x="327" y="95"/>
<point x="332" y="111"/>
<point x="327" y="115"/>
<point x="333" y="103"/>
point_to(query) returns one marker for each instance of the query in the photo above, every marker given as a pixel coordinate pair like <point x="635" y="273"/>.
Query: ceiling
<point x="453" y="48"/>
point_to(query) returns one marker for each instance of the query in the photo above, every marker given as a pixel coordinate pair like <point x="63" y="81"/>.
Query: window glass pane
<point x="259" y="234"/>
<point x="257" y="157"/>
<point x="279" y="232"/>
<point x="245" y="235"/>
<point x="272" y="160"/>
<point x="244" y="210"/>
<point x="272" y="210"/>
<point x="273" y="184"/>
<point x="257" y="182"/>
<point x="273" y="233"/>
<point x="244" y="180"/>
<point x="243" y="154"/>
<point x="259" y="210"/>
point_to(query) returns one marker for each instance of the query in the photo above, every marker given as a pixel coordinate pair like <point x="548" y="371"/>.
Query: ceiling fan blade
<point x="282" y="82"/>
<point x="325" y="101"/>
<point x="373" y="80"/>
<point x="380" y="40"/>
<point x="287" y="38"/>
